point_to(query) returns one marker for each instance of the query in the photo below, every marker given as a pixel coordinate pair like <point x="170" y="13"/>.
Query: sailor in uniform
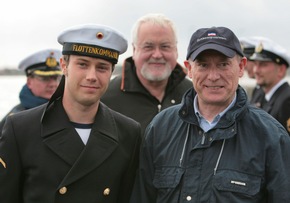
<point x="73" y="149"/>
<point x="271" y="64"/>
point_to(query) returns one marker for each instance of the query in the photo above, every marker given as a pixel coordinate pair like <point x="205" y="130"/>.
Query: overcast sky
<point x="31" y="25"/>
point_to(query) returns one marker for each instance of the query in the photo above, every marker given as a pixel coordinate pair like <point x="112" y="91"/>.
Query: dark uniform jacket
<point x="243" y="159"/>
<point x="278" y="106"/>
<point x="43" y="159"/>
<point x="128" y="96"/>
<point x="14" y="110"/>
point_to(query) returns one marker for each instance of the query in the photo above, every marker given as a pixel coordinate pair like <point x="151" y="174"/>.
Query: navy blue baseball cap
<point x="221" y="39"/>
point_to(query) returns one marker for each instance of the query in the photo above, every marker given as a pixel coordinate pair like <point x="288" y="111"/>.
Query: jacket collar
<point x="187" y="112"/>
<point x="62" y="139"/>
<point x="269" y="105"/>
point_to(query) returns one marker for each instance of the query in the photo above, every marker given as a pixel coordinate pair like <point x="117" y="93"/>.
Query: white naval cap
<point x="268" y="50"/>
<point x="94" y="40"/>
<point x="43" y="63"/>
<point x="249" y="44"/>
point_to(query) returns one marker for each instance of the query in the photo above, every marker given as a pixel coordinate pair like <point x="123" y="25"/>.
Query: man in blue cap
<point x="43" y="76"/>
<point x="73" y="149"/>
<point x="214" y="146"/>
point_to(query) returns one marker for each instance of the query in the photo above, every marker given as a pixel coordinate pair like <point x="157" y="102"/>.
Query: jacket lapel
<point x="59" y="135"/>
<point x="269" y="106"/>
<point x="102" y="143"/>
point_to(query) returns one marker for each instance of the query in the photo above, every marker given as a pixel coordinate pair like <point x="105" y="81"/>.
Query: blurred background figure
<point x="43" y="76"/>
<point x="151" y="79"/>
<point x="248" y="45"/>
<point x="271" y="63"/>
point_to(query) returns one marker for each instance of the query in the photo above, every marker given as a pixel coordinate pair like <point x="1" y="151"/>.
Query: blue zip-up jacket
<point x="245" y="158"/>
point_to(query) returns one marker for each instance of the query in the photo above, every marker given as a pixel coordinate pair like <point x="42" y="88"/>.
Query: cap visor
<point x="47" y="73"/>
<point x="224" y="50"/>
<point x="259" y="57"/>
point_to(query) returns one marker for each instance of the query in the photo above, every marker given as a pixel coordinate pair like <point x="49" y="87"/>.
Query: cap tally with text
<point x="268" y="50"/>
<point x="94" y="40"/>
<point x="220" y="39"/>
<point x="42" y="63"/>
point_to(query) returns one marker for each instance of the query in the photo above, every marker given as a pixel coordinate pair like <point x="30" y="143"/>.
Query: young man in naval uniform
<point x="73" y="149"/>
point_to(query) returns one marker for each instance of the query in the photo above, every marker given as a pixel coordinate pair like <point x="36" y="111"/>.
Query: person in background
<point x="214" y="146"/>
<point x="43" y="75"/>
<point x="271" y="64"/>
<point x="248" y="46"/>
<point x="151" y="79"/>
<point x="74" y="148"/>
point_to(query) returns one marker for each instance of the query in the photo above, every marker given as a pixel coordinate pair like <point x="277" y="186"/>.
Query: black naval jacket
<point x="278" y="106"/>
<point x="129" y="97"/>
<point x="43" y="159"/>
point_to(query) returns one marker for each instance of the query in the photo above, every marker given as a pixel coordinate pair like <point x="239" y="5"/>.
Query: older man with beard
<point x="151" y="79"/>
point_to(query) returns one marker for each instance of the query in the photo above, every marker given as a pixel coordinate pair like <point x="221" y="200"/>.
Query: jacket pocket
<point x="167" y="181"/>
<point x="237" y="182"/>
<point x="167" y="177"/>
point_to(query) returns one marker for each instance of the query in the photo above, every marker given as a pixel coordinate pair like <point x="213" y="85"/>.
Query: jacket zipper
<point x="159" y="107"/>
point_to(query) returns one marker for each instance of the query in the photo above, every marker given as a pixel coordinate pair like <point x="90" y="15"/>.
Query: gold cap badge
<point x="51" y="61"/>
<point x="259" y="48"/>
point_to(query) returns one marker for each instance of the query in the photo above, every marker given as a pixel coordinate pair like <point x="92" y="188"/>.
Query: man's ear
<point x="188" y="67"/>
<point x="242" y="65"/>
<point x="63" y="65"/>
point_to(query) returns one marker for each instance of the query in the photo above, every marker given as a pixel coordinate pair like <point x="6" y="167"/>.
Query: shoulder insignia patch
<point x="3" y="163"/>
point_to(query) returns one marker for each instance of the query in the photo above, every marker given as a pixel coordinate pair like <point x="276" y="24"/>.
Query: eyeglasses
<point x="47" y="78"/>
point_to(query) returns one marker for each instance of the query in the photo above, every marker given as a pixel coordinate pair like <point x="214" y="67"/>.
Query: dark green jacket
<point x="129" y="97"/>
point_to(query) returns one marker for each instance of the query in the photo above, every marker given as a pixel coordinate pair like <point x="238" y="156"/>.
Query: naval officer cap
<point x="268" y="50"/>
<point x="248" y="46"/>
<point x="42" y="63"/>
<point x="93" y="40"/>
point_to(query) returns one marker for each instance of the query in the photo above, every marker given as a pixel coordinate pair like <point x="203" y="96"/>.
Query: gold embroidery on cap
<point x="100" y="35"/>
<point x="95" y="50"/>
<point x="51" y="61"/>
<point x="277" y="60"/>
<point x="243" y="47"/>
<point x="3" y="163"/>
<point x="259" y="48"/>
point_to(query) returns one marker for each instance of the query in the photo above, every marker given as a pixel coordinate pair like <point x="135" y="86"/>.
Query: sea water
<point x="10" y="87"/>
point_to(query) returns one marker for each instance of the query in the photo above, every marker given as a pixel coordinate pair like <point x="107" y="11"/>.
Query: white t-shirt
<point x="83" y="130"/>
